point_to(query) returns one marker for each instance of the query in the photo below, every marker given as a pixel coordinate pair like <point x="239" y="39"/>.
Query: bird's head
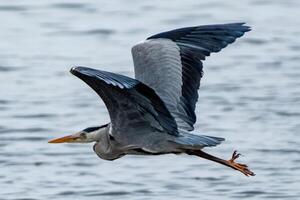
<point x="85" y="136"/>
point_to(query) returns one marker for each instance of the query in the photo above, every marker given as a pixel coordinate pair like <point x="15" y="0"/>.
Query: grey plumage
<point x="174" y="60"/>
<point x="154" y="113"/>
<point x="153" y="110"/>
<point x="135" y="108"/>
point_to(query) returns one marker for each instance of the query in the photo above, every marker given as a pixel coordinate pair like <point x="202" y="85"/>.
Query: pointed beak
<point x="69" y="138"/>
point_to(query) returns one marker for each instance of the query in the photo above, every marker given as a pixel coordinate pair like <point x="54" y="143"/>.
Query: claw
<point x="238" y="166"/>
<point x="235" y="155"/>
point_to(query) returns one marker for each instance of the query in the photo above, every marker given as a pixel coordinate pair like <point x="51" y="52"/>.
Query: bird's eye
<point x="83" y="135"/>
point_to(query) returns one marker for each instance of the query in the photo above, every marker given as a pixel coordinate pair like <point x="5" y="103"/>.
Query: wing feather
<point x="130" y="103"/>
<point x="171" y="64"/>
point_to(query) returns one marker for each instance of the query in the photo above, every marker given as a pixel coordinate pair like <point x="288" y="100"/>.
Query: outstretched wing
<point x="171" y="64"/>
<point x="131" y="104"/>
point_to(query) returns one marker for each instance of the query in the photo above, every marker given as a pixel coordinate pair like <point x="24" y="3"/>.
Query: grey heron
<point x="154" y="113"/>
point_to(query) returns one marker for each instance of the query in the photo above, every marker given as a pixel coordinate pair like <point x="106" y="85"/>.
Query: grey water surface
<point x="250" y="94"/>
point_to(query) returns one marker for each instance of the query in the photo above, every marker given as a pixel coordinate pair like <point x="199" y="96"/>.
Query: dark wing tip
<point x="240" y="26"/>
<point x="178" y="33"/>
<point x="83" y="72"/>
<point x="78" y="70"/>
<point x="109" y="78"/>
<point x="247" y="28"/>
<point x="73" y="70"/>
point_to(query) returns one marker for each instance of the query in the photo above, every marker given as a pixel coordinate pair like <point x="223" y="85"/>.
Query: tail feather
<point x="198" y="141"/>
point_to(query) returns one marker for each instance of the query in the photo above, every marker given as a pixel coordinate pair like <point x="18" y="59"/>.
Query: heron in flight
<point x="154" y="113"/>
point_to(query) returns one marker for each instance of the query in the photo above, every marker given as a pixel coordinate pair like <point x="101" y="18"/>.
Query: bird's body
<point x="155" y="113"/>
<point x="109" y="148"/>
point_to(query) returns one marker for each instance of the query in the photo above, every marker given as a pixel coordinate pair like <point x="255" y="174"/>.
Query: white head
<point x="91" y="134"/>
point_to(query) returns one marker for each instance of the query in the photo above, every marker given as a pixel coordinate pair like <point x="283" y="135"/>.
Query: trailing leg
<point x="229" y="163"/>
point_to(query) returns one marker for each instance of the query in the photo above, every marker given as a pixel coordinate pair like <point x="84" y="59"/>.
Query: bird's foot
<point x="238" y="166"/>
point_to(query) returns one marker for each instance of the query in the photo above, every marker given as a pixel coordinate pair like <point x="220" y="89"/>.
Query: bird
<point x="154" y="113"/>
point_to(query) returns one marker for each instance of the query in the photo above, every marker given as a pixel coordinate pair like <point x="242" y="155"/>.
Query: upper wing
<point x="170" y="63"/>
<point x="131" y="104"/>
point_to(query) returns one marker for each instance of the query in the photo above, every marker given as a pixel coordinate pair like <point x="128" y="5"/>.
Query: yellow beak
<point x="69" y="138"/>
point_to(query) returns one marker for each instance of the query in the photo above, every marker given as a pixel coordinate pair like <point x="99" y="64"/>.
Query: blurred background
<point x="250" y="94"/>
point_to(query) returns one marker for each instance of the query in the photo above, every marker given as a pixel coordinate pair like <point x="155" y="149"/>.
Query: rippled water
<point x="250" y="95"/>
